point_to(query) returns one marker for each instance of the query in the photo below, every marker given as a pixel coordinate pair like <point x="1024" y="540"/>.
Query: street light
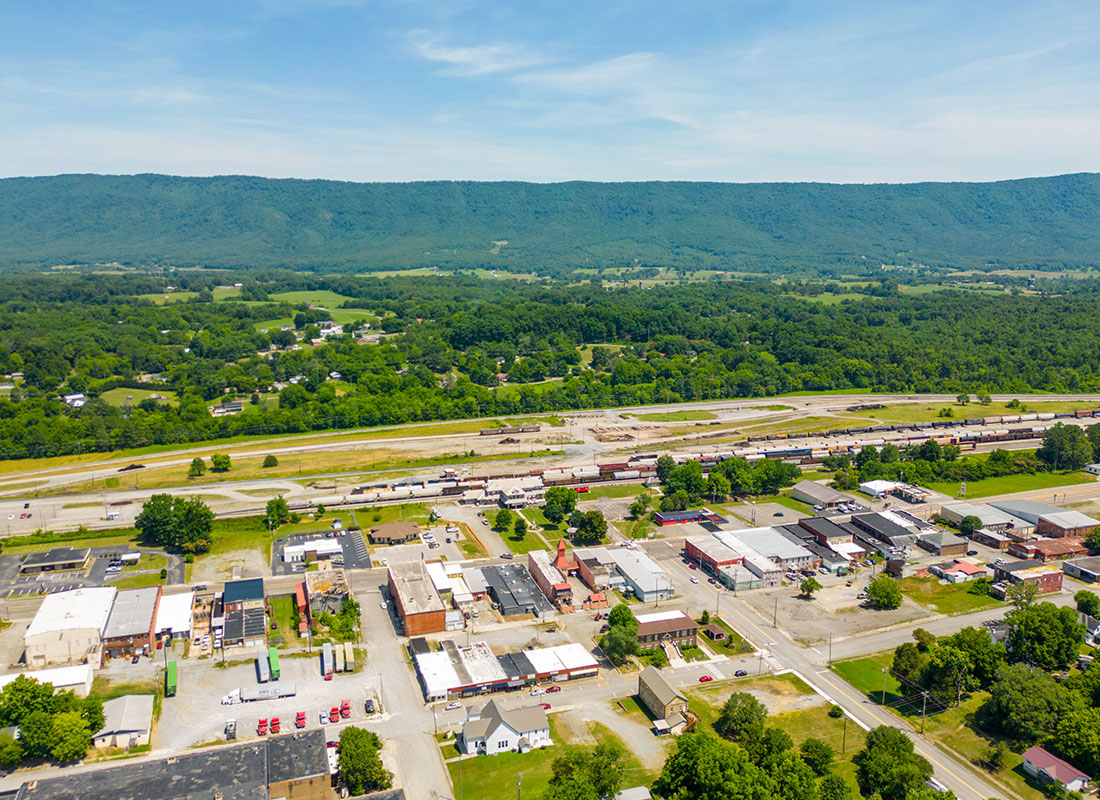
<point x="884" y="686"/>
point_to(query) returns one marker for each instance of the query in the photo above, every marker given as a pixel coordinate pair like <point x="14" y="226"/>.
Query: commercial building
<point x="710" y="554"/>
<point x="325" y="591"/>
<point x="550" y="580"/>
<point x="417" y="604"/>
<point x="825" y="531"/>
<point x="76" y="678"/>
<point x="127" y="722"/>
<point x="959" y="571"/>
<point x="993" y="519"/>
<point x="597" y="568"/>
<point x="1027" y="510"/>
<point x="889" y="527"/>
<point x="68" y="628"/>
<point x="1046" y="767"/>
<point x="771" y="544"/>
<point x="666" y="627"/>
<point x="516" y="492"/>
<point x="55" y="560"/>
<point x="668" y="707"/>
<point x="513" y="591"/>
<point x="131" y="624"/>
<point x="243" y="595"/>
<point x="1049" y="549"/>
<point x="495" y="730"/>
<point x="701" y="515"/>
<point x="394" y="533"/>
<point x="646" y="580"/>
<point x="738" y="578"/>
<point x="818" y="494"/>
<point x="1066" y="523"/>
<point x="1083" y="569"/>
<point x="879" y="488"/>
<point x="244" y="618"/>
<point x="457" y="671"/>
<point x="175" y="615"/>
<point x="294" y="766"/>
<point x="312" y="550"/>
<point x="1047" y="578"/>
<point x="990" y="538"/>
<point x="942" y="543"/>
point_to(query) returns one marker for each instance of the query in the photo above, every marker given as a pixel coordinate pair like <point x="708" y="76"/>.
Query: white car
<point x="537" y="692"/>
<point x="383" y="604"/>
<point x="694" y="579"/>
<point x="453" y="706"/>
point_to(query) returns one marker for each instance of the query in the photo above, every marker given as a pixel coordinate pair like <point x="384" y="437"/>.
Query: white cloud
<point x="474" y="60"/>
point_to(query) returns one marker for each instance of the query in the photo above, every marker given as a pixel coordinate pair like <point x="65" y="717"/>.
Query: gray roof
<point x="131" y="713"/>
<point x="1070" y="519"/>
<point x="240" y="591"/>
<point x="658" y="685"/>
<point x="1025" y="509"/>
<point x="133" y="613"/>
<point x="521" y="720"/>
<point x="820" y="492"/>
<point x="58" y="555"/>
<point x="240" y="772"/>
<point x="942" y="539"/>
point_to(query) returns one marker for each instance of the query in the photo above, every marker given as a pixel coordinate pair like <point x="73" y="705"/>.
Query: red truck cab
<point x="345" y="709"/>
<point x="261" y="727"/>
<point x="300" y="720"/>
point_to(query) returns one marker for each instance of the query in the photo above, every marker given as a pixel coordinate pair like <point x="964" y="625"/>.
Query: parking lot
<point x="97" y="573"/>
<point x="354" y="550"/>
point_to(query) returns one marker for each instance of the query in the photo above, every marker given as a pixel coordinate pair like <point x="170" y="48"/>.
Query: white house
<point x="1048" y="768"/>
<point x="127" y="722"/>
<point x="495" y="730"/>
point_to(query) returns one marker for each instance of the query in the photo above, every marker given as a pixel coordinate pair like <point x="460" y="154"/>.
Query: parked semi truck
<point x="349" y="657"/>
<point x="327" y="665"/>
<point x="263" y="671"/>
<point x="273" y="661"/>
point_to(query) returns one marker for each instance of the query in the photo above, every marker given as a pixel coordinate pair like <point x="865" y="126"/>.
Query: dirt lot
<point x="651" y="750"/>
<point x="214" y="569"/>
<point x="834" y="610"/>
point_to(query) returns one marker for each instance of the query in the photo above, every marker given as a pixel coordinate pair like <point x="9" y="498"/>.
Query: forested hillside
<point x="464" y="347"/>
<point x="549" y="228"/>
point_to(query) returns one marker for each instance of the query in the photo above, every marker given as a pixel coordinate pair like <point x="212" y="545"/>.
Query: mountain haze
<point x="237" y="221"/>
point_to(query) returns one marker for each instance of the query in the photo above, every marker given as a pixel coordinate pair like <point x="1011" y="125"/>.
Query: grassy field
<point x="495" y="777"/>
<point x="138" y="581"/>
<point x="118" y="397"/>
<point x="866" y="675"/>
<point x="167" y="299"/>
<point x="687" y="415"/>
<point x="620" y="490"/>
<point x="122" y="538"/>
<point x="735" y="642"/>
<point x="800" y="425"/>
<point x="322" y="298"/>
<point x="929" y="412"/>
<point x="952" y="598"/>
<point x="241" y="533"/>
<point x="283" y="612"/>
<point x="310" y="525"/>
<point x="1006" y="484"/>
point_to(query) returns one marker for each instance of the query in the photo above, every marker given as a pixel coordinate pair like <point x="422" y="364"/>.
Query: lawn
<point x="687" y="415"/>
<point x="951" y="598"/>
<point x="495" y="777"/>
<point x="615" y="491"/>
<point x="122" y="538"/>
<point x="735" y="642"/>
<point x="403" y="512"/>
<point x="284" y="612"/>
<point x="138" y="581"/>
<point x="1007" y="484"/>
<point x="122" y="396"/>
<point x="866" y="675"/>
<point x="240" y="533"/>
<point x="929" y="412"/>
<point x="532" y="541"/>
<point x="322" y="298"/>
<point x="707" y="701"/>
<point x="322" y="525"/>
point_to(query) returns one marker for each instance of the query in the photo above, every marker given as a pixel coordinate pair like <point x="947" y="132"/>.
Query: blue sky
<point x="741" y="90"/>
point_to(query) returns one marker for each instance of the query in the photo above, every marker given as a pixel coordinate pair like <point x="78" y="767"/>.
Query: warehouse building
<point x="942" y="543"/>
<point x="55" y="560"/>
<point x="76" y="678"/>
<point x="825" y="531"/>
<point x="818" y="495"/>
<point x="666" y="627"/>
<point x="245" y="619"/>
<point x="127" y="722"/>
<point x="993" y="519"/>
<point x="68" y="628"/>
<point x="738" y="578"/>
<point x="131" y="624"/>
<point x="294" y="766"/>
<point x="701" y="516"/>
<point x="1066" y="523"/>
<point x="513" y="591"/>
<point x="990" y="538"/>
<point x="417" y="604"/>
<point x="597" y="568"/>
<point x="458" y="671"/>
<point x="1027" y="510"/>
<point x="646" y="580"/>
<point x="175" y="615"/>
<point x="1044" y="550"/>
<point x="550" y="580"/>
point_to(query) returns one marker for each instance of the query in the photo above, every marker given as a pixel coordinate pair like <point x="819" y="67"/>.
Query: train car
<point x="530" y="428"/>
<point x="1082" y="414"/>
<point x="626" y="474"/>
<point x="1047" y="416"/>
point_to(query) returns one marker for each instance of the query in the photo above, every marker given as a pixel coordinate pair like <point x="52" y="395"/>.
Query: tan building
<point x="417" y="603"/>
<point x="668" y="707"/>
<point x="68" y="628"/>
<point x="394" y="533"/>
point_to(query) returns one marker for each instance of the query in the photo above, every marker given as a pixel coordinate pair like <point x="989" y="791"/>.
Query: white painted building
<point x="494" y="730"/>
<point x="68" y="628"/>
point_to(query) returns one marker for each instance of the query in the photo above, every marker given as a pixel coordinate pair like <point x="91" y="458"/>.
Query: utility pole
<point x="830" y="650"/>
<point x="519" y="785"/>
<point x="923" y="708"/>
<point x="844" y="735"/>
<point x="884" y="686"/>
<point x="775" y="614"/>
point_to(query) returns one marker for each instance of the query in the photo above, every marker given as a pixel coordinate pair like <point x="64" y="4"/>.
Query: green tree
<point x="618" y="644"/>
<point x="701" y="767"/>
<point x="11" y="751"/>
<point x="197" y="468"/>
<point x="834" y="787"/>
<point x="1092" y="538"/>
<point x="817" y="755"/>
<point x="963" y="399"/>
<point x="591" y="528"/>
<point x="742" y="717"/>
<point x="949" y="673"/>
<point x="278" y="512"/>
<point x="718" y="486"/>
<point x="1065" y="447"/>
<point x="1087" y="602"/>
<point x="986" y="656"/>
<point x="270" y="461"/>
<point x="360" y="763"/>
<point x="1026" y="704"/>
<point x="622" y="617"/>
<point x="1044" y="635"/>
<point x="908" y="664"/>
<point x="36" y="734"/>
<point x="596" y="774"/>
<point x="884" y="593"/>
<point x="503" y="520"/>
<point x="640" y="506"/>
<point x="665" y="465"/>
<point x="809" y="586"/>
<point x="1077" y="737"/>
<point x="70" y="737"/>
<point x="889" y="766"/>
<point x="970" y="524"/>
<point x="559" y="503"/>
<point x="519" y="529"/>
<point x="178" y="523"/>
<point x="1022" y="594"/>
<point x="219" y="462"/>
<point x="157" y="521"/>
<point x="985" y="399"/>
<point x="22" y="697"/>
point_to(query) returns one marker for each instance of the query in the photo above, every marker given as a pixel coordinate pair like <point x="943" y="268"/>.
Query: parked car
<point x="693" y="566"/>
<point x="448" y="540"/>
<point x="507" y="556"/>
<point x="453" y="706"/>
<point x="485" y="522"/>
<point x="324" y="718"/>
<point x="383" y="605"/>
<point x="972" y="552"/>
<point x="599" y="616"/>
<point x="544" y="706"/>
<point x="740" y="673"/>
<point x="369" y="706"/>
<point x="603" y="628"/>
<point x="553" y="690"/>
<point x="135" y="659"/>
<point x="823" y="571"/>
<point x="705" y="679"/>
<point x="536" y="692"/>
<point x="694" y="579"/>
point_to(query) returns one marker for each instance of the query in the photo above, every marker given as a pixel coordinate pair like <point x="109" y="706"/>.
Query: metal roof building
<point x="648" y="581"/>
<point x="515" y="591"/>
<point x="175" y="615"/>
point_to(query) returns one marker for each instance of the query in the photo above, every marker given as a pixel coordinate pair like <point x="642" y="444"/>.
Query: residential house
<point x="1048" y="768"/>
<point x="127" y="722"/>
<point x="495" y="730"/>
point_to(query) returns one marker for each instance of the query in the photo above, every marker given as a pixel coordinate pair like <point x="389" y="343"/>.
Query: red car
<point x="345" y="708"/>
<point x="705" y="679"/>
<point x="553" y="689"/>
<point x="261" y="727"/>
<point x="274" y="724"/>
<point x="300" y="720"/>
<point x="693" y="566"/>
<point x="544" y="706"/>
<point x="334" y="714"/>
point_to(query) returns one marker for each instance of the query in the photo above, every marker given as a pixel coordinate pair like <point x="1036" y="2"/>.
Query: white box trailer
<point x="270" y="692"/>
